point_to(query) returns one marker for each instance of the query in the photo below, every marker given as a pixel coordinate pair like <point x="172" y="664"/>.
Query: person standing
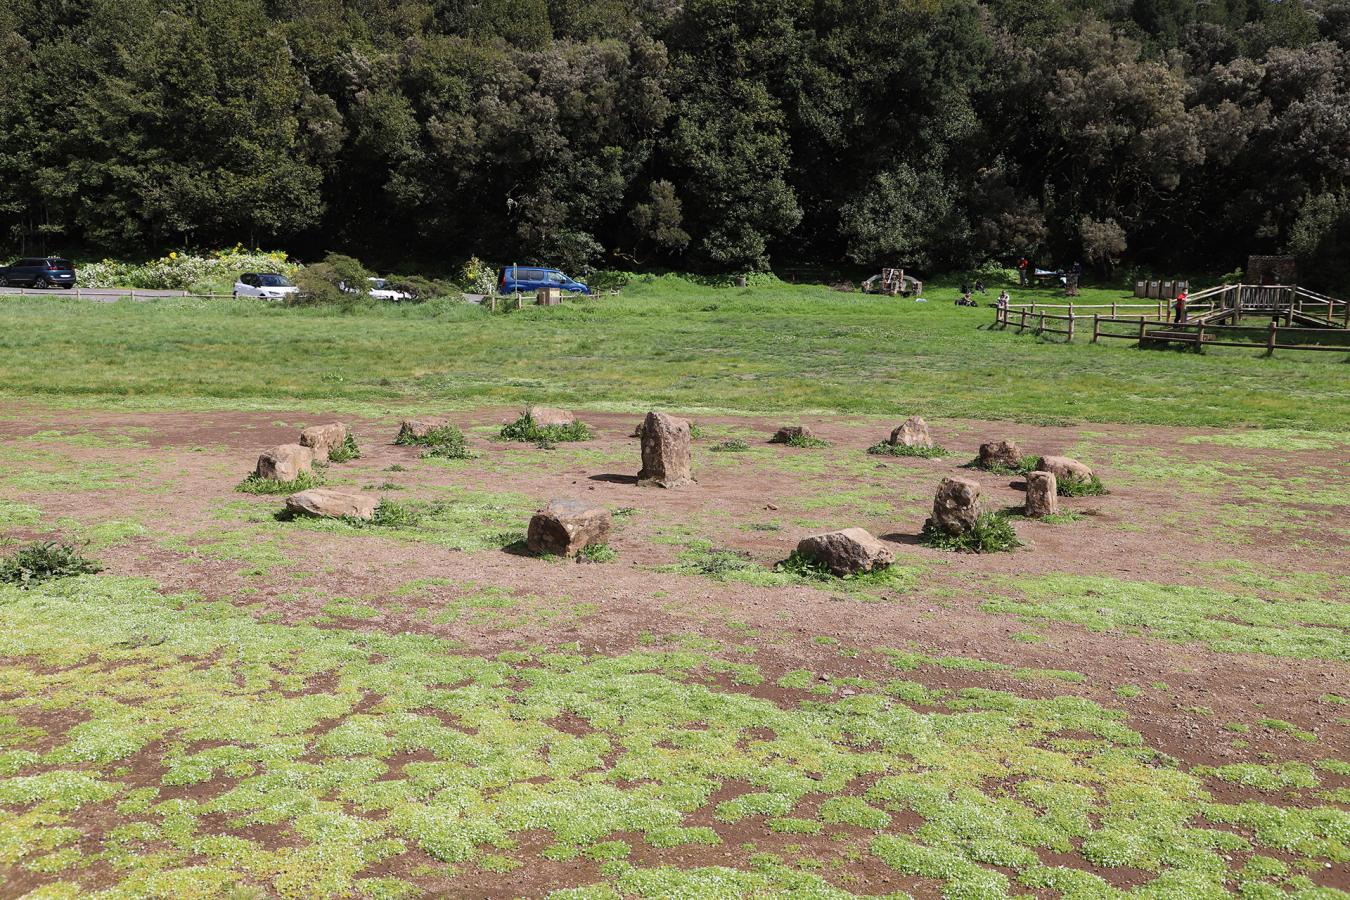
<point x="1022" y="265"/>
<point x="1181" y="308"/>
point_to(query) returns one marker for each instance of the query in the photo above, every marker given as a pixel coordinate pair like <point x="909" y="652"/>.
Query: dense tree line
<point x="710" y="134"/>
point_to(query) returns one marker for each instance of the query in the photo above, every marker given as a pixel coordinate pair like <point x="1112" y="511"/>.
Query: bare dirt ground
<point x="1180" y="511"/>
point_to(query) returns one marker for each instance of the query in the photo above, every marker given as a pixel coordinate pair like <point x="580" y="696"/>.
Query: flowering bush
<point x="187" y="271"/>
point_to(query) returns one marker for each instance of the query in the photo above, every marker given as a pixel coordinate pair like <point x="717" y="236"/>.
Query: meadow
<point x="1149" y="697"/>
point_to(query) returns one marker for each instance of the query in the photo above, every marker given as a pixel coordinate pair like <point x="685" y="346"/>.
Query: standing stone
<point x="566" y="527"/>
<point x="417" y="429"/>
<point x="913" y="432"/>
<point x="323" y="438"/>
<point x="1000" y="453"/>
<point x="956" y="506"/>
<point x="848" y="552"/>
<point x="787" y="433"/>
<point x="285" y="463"/>
<point x="548" y="417"/>
<point x="1064" y="468"/>
<point x="1042" y="495"/>
<point x="325" y="503"/>
<point x="666" y="455"/>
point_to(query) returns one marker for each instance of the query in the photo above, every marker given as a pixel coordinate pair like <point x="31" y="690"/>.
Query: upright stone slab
<point x="323" y="438"/>
<point x="286" y="462"/>
<point x="1004" y="454"/>
<point x="566" y="527"/>
<point x="548" y="417"/>
<point x="848" y="552"/>
<point x="956" y="506"/>
<point x="325" y="503"/>
<point x="913" y="432"/>
<point x="1064" y="468"/>
<point x="1042" y="495"/>
<point x="666" y="453"/>
<point x="789" y="432"/>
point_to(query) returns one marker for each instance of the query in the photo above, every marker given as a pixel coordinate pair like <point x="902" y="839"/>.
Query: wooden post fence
<point x="1097" y="325"/>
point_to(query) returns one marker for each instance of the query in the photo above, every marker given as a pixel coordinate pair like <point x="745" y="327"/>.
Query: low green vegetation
<point x="442" y="442"/>
<point x="732" y="445"/>
<point x="256" y="484"/>
<point x="42" y="561"/>
<point x="806" y="442"/>
<point x="720" y="564"/>
<point x="1225" y="622"/>
<point x="886" y="448"/>
<point x="526" y="430"/>
<point x="992" y="533"/>
<point x="1025" y="465"/>
<point x="347" y="451"/>
<point x="169" y="732"/>
<point x="1080" y="487"/>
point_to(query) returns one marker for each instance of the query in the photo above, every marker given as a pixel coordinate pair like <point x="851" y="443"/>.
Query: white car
<point x="264" y="286"/>
<point x="380" y="290"/>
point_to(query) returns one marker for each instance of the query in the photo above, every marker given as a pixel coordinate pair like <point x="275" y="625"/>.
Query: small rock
<point x="913" y="432"/>
<point x="770" y="506"/>
<point x="566" y="527"/>
<point x="323" y="438"/>
<point x="417" y="429"/>
<point x="788" y="432"/>
<point x="286" y="462"/>
<point x="848" y="552"/>
<point x="666" y="452"/>
<point x="1000" y="453"/>
<point x="548" y="417"/>
<point x="1042" y="495"/>
<point x="956" y="505"/>
<point x="1064" y="468"/>
<point x="327" y="503"/>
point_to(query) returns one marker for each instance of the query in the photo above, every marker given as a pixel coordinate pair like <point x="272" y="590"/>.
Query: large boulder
<point x="417" y="429"/>
<point x="548" y="417"/>
<point x="956" y="506"/>
<point x="913" y="432"/>
<point x="323" y="438"/>
<point x="848" y="552"/>
<point x="1001" y="454"/>
<point x="286" y="462"/>
<point x="666" y="453"/>
<point x="790" y="432"/>
<point x="1064" y="468"/>
<point x="566" y="527"/>
<point x="1042" y="495"/>
<point x="326" y="503"/>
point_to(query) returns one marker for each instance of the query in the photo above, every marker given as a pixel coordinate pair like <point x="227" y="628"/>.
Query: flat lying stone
<point x="548" y="417"/>
<point x="323" y="438"/>
<point x="286" y="462"/>
<point x="326" y="503"/>
<point x="789" y="432"/>
<point x="1000" y="453"/>
<point x="566" y="527"/>
<point x="1064" y="468"/>
<point x="852" y="551"/>
<point x="417" y="429"/>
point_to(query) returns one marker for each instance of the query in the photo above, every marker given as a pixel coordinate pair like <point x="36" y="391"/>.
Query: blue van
<point x="528" y="279"/>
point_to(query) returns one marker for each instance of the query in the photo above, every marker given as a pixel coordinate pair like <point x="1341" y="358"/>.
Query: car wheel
<point x="40" y="284"/>
<point x="4" y="282"/>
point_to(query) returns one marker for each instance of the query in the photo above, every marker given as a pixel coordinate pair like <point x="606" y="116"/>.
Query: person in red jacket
<point x="1022" y="265"/>
<point x="1181" y="307"/>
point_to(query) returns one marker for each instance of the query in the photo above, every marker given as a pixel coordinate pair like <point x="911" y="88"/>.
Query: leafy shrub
<point x="808" y="569"/>
<point x="735" y="445"/>
<point x="525" y="430"/>
<point x="806" y="441"/>
<point x="392" y="514"/>
<point x="478" y="277"/>
<point x="1024" y="465"/>
<point x="337" y="281"/>
<point x="45" y="561"/>
<point x="200" y="272"/>
<point x="993" y="533"/>
<point x="254" y="484"/>
<point x="445" y="442"/>
<point x="346" y="451"/>
<point x="1080" y="487"/>
<point x="886" y="448"/>
<point x="421" y="289"/>
<point x="598" y="553"/>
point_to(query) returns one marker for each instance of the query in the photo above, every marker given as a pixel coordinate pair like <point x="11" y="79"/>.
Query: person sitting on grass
<point x="979" y="287"/>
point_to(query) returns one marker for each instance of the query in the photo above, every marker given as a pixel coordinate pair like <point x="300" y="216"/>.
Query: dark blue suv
<point x="39" y="272"/>
<point x="527" y="279"/>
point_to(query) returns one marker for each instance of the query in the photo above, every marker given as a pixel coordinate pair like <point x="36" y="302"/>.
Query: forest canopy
<point x="713" y="135"/>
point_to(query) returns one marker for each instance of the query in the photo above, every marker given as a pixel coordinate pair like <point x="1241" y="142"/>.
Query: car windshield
<point x="274" y="281"/>
<point x="378" y="284"/>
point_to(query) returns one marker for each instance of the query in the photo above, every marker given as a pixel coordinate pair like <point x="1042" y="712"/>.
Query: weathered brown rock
<point x="1000" y="453"/>
<point x="788" y="432"/>
<point x="323" y="438"/>
<point x="913" y="432"/>
<point x="417" y="429"/>
<point x="666" y="453"/>
<point x="848" y="552"/>
<point x="1064" y="468"/>
<point x="326" y="503"/>
<point x="548" y="417"/>
<point x="956" y="505"/>
<point x="286" y="462"/>
<point x="1042" y="495"/>
<point x="566" y="527"/>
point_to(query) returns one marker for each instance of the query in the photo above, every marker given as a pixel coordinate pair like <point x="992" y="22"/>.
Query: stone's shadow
<point x="898" y="538"/>
<point x="615" y="479"/>
<point x="519" y="548"/>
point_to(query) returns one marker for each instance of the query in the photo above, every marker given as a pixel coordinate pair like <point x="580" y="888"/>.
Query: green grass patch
<point x="733" y="445"/>
<point x="43" y="561"/>
<point x="255" y="484"/>
<point x="347" y="451"/>
<point x="598" y="553"/>
<point x="525" y="430"/>
<point x="805" y="442"/>
<point x="1080" y="487"/>
<point x="992" y="533"/>
<point x="886" y="448"/>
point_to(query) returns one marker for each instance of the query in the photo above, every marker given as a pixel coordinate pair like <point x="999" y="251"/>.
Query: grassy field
<point x="667" y="342"/>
